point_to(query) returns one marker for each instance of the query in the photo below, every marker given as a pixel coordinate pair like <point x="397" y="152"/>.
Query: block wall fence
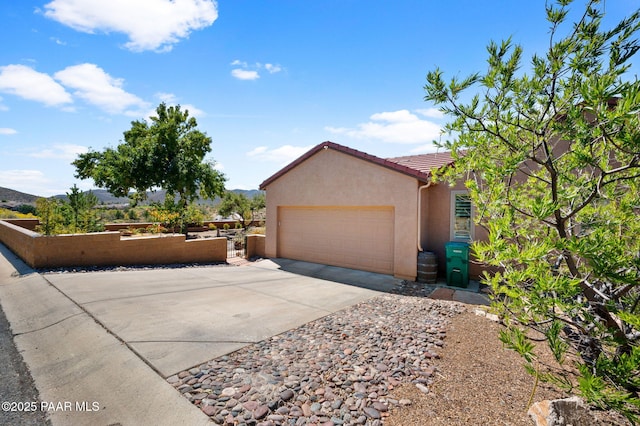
<point x="110" y="249"/>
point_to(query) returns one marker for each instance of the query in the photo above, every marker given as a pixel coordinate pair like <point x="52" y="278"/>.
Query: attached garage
<point x="339" y="206"/>
<point x="357" y="237"/>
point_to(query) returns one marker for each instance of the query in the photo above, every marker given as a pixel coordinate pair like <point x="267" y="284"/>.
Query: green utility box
<point x="457" y="263"/>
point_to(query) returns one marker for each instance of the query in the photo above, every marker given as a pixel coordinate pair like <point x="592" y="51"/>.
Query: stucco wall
<point x="29" y="224"/>
<point x="438" y="229"/>
<point x="108" y="248"/>
<point x="20" y="240"/>
<point x="255" y="246"/>
<point x="333" y="178"/>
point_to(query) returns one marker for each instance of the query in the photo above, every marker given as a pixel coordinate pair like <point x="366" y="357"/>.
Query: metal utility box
<point x="457" y="264"/>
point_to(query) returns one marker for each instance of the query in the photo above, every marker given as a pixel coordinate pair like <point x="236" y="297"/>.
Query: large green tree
<point x="168" y="152"/>
<point x="551" y="157"/>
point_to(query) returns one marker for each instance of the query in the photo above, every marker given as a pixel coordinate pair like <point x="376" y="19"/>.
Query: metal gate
<point x="236" y="245"/>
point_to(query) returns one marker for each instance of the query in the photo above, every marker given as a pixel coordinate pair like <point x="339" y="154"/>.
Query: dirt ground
<point x="478" y="382"/>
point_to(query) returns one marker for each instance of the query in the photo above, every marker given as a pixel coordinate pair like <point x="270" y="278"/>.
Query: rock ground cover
<point x="337" y="370"/>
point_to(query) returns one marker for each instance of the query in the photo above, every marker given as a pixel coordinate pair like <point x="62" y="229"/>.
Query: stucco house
<point x="339" y="206"/>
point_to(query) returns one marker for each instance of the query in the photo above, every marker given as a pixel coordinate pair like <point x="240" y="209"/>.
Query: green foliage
<point x="169" y="153"/>
<point x="51" y="219"/>
<point x="194" y="216"/>
<point x="26" y="209"/>
<point x="166" y="215"/>
<point x="82" y="210"/>
<point x="77" y="215"/>
<point x="157" y="228"/>
<point x="171" y="216"/>
<point x="551" y="157"/>
<point x="240" y="204"/>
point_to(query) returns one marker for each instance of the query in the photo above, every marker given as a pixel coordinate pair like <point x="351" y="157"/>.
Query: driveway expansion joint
<point x="101" y="325"/>
<point x="48" y="325"/>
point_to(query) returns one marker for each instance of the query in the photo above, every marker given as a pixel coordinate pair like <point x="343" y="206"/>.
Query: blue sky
<point x="266" y="80"/>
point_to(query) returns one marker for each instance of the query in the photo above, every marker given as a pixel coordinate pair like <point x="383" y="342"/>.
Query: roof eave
<point x="420" y="176"/>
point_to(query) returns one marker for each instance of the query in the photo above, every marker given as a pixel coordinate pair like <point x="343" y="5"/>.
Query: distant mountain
<point x="106" y="198"/>
<point x="10" y="197"/>
<point x="249" y="193"/>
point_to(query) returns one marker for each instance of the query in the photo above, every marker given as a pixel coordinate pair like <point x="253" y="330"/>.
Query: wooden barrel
<point x="427" y="267"/>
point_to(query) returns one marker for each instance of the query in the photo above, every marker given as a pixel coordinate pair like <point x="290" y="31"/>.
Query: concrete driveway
<point x="179" y="318"/>
<point x="95" y="342"/>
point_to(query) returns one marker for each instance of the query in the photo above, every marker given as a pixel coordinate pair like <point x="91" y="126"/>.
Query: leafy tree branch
<point x="551" y="157"/>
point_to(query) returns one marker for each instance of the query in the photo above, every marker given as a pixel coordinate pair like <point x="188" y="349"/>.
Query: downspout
<point x="419" y="215"/>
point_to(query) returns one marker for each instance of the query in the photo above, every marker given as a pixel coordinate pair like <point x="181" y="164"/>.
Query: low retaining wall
<point x="21" y="241"/>
<point x="107" y="248"/>
<point x="29" y="224"/>
<point x="255" y="246"/>
<point x="205" y="225"/>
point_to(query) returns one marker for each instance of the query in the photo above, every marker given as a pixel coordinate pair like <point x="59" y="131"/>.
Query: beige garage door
<point x="351" y="237"/>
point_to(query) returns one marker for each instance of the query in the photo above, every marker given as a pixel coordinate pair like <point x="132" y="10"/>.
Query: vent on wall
<point x="462" y="222"/>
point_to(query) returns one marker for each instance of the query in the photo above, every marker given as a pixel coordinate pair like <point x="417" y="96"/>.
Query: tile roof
<point x="417" y="166"/>
<point x="424" y="162"/>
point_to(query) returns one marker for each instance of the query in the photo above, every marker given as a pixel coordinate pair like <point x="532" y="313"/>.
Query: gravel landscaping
<point x="336" y="370"/>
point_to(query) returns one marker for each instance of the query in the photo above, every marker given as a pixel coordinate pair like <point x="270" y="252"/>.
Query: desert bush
<point x="11" y="214"/>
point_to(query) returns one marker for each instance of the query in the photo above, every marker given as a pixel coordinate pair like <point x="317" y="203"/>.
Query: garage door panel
<point x="352" y="237"/>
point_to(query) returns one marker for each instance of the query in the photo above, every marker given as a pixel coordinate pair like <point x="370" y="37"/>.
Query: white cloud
<point x="57" y="41"/>
<point x="7" y="131"/>
<point x="61" y="151"/>
<point x="95" y="86"/>
<point x="272" y="68"/>
<point x="241" y="74"/>
<point x="29" y="181"/>
<point x="30" y="84"/>
<point x="396" y="127"/>
<point x="250" y="71"/>
<point x="423" y="149"/>
<point x="431" y="113"/>
<point x="282" y="155"/>
<point x="149" y="24"/>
